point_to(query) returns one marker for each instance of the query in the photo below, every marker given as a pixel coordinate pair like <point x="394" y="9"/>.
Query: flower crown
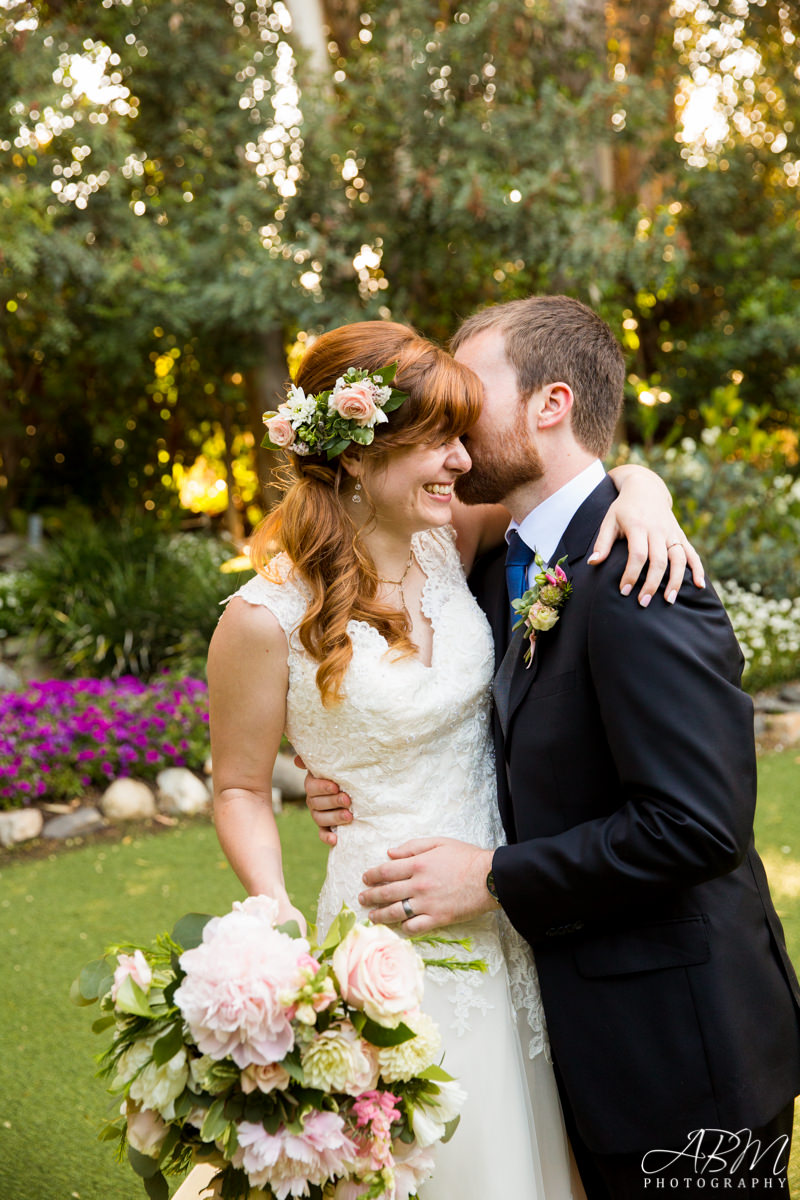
<point x="329" y="421"/>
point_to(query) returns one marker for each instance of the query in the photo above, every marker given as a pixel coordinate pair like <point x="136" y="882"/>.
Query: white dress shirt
<point x="545" y="525"/>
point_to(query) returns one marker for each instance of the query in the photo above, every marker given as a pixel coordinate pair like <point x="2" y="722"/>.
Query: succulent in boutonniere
<point x="540" y="607"/>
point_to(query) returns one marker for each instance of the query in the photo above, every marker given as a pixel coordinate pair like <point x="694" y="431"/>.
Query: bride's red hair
<point x="311" y="523"/>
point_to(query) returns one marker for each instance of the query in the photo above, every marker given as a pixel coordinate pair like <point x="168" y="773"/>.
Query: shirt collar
<point x="543" y="528"/>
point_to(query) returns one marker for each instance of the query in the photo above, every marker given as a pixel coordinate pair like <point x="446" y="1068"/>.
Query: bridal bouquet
<point x="297" y="1071"/>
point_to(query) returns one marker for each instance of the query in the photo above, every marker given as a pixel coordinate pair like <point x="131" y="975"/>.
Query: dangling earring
<point x="355" y="497"/>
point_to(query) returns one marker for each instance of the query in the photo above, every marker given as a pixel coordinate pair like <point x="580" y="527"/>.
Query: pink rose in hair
<point x="356" y="402"/>
<point x="280" y="431"/>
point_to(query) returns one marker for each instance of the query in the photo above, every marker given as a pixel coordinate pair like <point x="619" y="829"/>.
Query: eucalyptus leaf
<point x="77" y="997"/>
<point x="103" y="1023"/>
<point x="188" y="931"/>
<point x="95" y="979"/>
<point x="290" y="927"/>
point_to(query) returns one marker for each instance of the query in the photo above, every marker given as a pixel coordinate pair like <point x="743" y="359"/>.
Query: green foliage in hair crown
<point x="330" y="421"/>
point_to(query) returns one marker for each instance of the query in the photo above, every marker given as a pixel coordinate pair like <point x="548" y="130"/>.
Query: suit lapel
<point x="514" y="678"/>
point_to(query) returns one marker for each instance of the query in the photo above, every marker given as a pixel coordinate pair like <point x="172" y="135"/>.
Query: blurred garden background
<point x="190" y="190"/>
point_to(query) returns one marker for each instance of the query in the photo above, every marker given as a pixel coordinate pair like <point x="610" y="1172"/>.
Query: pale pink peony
<point x="280" y="431"/>
<point x="289" y="1162"/>
<point x="239" y="985"/>
<point x="356" y="402"/>
<point x="135" y="965"/>
<point x="380" y="973"/>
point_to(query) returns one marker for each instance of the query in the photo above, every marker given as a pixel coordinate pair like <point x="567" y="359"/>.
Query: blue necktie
<point x="519" y="557"/>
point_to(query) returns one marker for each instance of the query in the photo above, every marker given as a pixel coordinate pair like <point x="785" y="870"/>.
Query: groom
<point x="627" y="781"/>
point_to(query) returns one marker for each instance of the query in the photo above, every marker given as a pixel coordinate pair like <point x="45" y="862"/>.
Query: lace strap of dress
<point x="279" y="591"/>
<point x="435" y="551"/>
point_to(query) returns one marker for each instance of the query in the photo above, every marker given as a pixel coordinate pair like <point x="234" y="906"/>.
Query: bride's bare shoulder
<point x="478" y="527"/>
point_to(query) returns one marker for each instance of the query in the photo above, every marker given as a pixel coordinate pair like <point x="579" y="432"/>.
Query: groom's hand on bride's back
<point x="328" y="806"/>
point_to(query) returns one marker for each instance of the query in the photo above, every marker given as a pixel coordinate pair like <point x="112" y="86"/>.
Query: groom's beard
<point x="498" y="470"/>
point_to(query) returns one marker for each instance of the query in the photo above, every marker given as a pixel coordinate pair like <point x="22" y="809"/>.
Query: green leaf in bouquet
<point x="188" y="931"/>
<point x="189" y="1100"/>
<point x="230" y="1141"/>
<point x="103" y="1023"/>
<point x="95" y="980"/>
<point x="358" y="1020"/>
<point x="450" y="1129"/>
<point x="77" y="996"/>
<point x="292" y="1066"/>
<point x="380" y="1035"/>
<point x="144" y="1166"/>
<point x="168" y="1045"/>
<point x="131" y="999"/>
<point x="215" y="1122"/>
<point x="172" y="987"/>
<point x="157" y="1187"/>
<point x="340" y="927"/>
<point x="169" y="1143"/>
<point x="289" y="927"/>
<point x="436" y="1074"/>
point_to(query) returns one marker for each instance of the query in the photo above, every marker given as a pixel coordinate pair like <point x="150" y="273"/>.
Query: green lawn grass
<point x="60" y="911"/>
<point x="56" y="914"/>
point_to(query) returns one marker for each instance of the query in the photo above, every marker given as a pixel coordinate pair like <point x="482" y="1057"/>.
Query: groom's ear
<point x="555" y="404"/>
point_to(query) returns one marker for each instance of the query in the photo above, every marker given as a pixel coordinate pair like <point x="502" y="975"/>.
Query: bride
<point x="360" y="641"/>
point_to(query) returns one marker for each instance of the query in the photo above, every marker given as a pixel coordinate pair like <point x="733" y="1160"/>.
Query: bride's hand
<point x="642" y="514"/>
<point x="288" y="912"/>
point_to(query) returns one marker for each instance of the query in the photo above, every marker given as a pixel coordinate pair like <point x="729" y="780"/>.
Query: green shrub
<point x="129" y="599"/>
<point x="736" y="495"/>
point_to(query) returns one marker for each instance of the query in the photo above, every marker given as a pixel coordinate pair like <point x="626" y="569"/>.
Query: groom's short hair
<point x="550" y="339"/>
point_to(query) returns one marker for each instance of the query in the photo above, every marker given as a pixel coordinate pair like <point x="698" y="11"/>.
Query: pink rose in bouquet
<point x="134" y="965"/>
<point x="380" y="973"/>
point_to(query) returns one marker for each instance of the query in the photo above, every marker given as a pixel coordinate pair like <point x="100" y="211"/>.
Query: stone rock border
<point x="179" y="792"/>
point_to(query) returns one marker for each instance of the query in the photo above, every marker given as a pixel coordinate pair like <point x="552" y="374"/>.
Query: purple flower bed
<point x="58" y="738"/>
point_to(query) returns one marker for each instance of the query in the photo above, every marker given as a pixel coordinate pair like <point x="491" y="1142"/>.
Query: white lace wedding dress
<point x="411" y="745"/>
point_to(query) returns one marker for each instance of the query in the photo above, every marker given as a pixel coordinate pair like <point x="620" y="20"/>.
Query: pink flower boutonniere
<point x="539" y="608"/>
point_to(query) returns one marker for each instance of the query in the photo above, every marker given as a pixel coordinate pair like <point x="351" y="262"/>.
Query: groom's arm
<point x="680" y="733"/>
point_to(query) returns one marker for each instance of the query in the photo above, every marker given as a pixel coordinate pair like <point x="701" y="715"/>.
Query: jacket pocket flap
<point x="554" y="686"/>
<point x="677" y="943"/>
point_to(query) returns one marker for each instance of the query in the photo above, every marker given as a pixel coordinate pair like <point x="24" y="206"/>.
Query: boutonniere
<point x="540" y="607"/>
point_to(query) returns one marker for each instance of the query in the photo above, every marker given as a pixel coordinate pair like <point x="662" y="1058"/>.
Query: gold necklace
<point x="399" y="583"/>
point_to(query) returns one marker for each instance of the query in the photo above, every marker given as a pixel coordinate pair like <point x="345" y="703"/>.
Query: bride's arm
<point x="642" y="514"/>
<point x="248" y="678"/>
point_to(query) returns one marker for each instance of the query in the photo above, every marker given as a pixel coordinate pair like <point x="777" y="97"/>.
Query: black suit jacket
<point x="627" y="782"/>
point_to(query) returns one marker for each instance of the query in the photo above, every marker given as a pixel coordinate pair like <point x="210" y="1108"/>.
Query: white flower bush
<point x="768" y="631"/>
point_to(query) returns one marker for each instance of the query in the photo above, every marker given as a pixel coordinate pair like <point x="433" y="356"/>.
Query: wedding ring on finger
<point x="407" y="909"/>
<point x="672" y="545"/>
